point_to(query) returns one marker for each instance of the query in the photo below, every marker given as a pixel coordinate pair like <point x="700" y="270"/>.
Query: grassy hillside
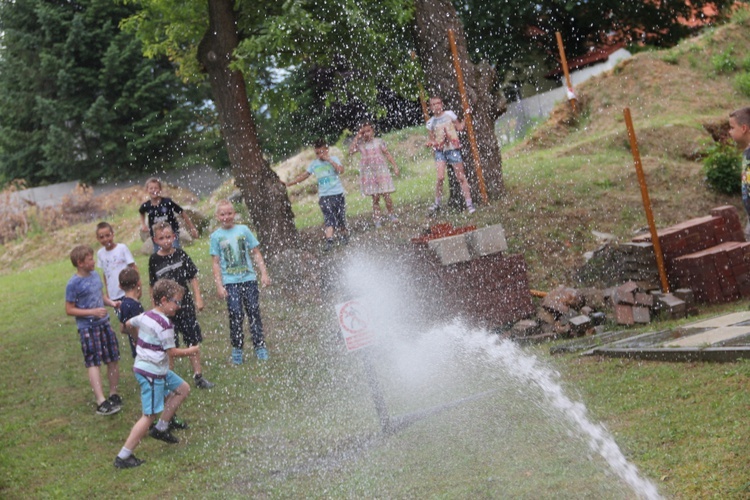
<point x="303" y="425"/>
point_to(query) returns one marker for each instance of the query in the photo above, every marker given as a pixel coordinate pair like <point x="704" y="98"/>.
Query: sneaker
<point x="165" y="436"/>
<point x="202" y="383"/>
<point x="345" y="239"/>
<point x="178" y="423"/>
<point x="328" y="246"/>
<point x="434" y="208"/>
<point x="237" y="356"/>
<point x="128" y="463"/>
<point x="115" y="399"/>
<point x="378" y="224"/>
<point x="107" y="408"/>
<point x="261" y="353"/>
<point x="471" y="209"/>
<point x="393" y="218"/>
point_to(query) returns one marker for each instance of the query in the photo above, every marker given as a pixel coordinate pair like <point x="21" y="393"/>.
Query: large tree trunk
<point x="264" y="195"/>
<point x="433" y="20"/>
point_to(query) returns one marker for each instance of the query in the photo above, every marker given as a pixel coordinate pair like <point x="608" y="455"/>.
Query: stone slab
<point x="720" y="321"/>
<point x="487" y="240"/>
<point x="711" y="337"/>
<point x="450" y="250"/>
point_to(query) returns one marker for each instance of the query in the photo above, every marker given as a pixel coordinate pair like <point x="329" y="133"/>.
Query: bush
<point x="742" y="83"/>
<point x="723" y="168"/>
<point x="724" y="62"/>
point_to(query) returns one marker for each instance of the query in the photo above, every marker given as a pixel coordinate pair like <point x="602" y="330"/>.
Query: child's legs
<point x="328" y="232"/>
<point x="376" y="205"/>
<point x="388" y="202"/>
<point x="251" y="301"/>
<point x="138" y="432"/>
<point x="458" y="168"/>
<point x="113" y="376"/>
<point x="95" y="379"/>
<point x="746" y="197"/>
<point x="236" y="315"/>
<point x="440" y="167"/>
<point x="186" y="323"/>
<point x="179" y="391"/>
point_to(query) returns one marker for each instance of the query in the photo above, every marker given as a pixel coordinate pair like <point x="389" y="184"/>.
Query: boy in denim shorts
<point x="327" y="169"/>
<point x="444" y="127"/>
<point x="151" y="367"/>
<point x="85" y="300"/>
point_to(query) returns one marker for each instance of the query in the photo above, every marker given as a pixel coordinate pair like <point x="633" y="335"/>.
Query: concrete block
<point x="487" y="240"/>
<point x="579" y="324"/>
<point x="450" y="250"/>
<point x="624" y="314"/>
<point x="524" y="328"/>
<point x="672" y="307"/>
<point x="641" y="314"/>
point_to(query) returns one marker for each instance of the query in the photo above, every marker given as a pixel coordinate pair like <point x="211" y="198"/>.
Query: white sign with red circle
<point x="354" y="321"/>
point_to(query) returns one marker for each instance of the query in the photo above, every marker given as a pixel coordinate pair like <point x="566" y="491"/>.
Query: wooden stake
<point x="467" y="117"/>
<point x="646" y="202"/>
<point x="564" y="63"/>
<point x="422" y="96"/>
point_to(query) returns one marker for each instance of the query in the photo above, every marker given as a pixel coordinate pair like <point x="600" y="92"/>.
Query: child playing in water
<point x="374" y="176"/>
<point x="158" y="209"/>
<point x="444" y="127"/>
<point x="155" y="348"/>
<point x="739" y="131"/>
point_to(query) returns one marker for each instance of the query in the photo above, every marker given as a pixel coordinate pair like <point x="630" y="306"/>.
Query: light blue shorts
<point x="154" y="390"/>
<point x="451" y="156"/>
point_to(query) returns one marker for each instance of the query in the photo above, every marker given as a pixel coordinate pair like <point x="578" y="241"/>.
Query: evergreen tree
<point x="78" y="100"/>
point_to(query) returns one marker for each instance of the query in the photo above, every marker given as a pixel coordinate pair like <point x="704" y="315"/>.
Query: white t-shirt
<point x="112" y="262"/>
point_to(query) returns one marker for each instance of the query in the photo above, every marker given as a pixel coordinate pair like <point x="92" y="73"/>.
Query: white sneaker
<point x="472" y="209"/>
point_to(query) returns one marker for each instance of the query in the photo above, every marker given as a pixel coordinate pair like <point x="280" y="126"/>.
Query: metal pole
<point x="647" y="202"/>
<point x="467" y="117"/>
<point x="564" y="62"/>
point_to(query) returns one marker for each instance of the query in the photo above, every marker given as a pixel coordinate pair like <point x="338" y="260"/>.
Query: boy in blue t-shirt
<point x="326" y="169"/>
<point x="233" y="248"/>
<point x="85" y="300"/>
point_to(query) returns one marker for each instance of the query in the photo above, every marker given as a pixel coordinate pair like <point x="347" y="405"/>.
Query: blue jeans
<point x="242" y="298"/>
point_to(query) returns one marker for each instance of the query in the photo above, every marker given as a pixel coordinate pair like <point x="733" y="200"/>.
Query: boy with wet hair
<point x="327" y="169"/>
<point x="162" y="390"/>
<point x="159" y="208"/>
<point x="173" y="263"/>
<point x="233" y="249"/>
<point x="739" y="131"/>
<point x="111" y="259"/>
<point x="85" y="300"/>
<point x="443" y="128"/>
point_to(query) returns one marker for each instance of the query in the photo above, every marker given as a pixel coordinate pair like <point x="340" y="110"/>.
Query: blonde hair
<point x="224" y="203"/>
<point x="161" y="226"/>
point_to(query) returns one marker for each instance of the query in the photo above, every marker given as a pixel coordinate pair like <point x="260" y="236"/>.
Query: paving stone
<point x="487" y="240"/>
<point x="641" y="314"/>
<point x="450" y="250"/>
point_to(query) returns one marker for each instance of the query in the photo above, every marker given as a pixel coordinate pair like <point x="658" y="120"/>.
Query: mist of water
<point x="414" y="356"/>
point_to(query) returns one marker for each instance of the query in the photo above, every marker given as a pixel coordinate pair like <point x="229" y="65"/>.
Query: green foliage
<point x="78" y="101"/>
<point x="724" y="62"/>
<point x="722" y="167"/>
<point x="742" y="83"/>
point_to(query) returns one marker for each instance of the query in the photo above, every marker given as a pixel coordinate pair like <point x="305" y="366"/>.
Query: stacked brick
<point x="708" y="255"/>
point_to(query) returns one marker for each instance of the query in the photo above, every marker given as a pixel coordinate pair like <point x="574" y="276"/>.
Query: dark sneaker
<point x="202" y="383"/>
<point x="107" y="408"/>
<point x="178" y="423"/>
<point x="328" y="246"/>
<point x="165" y="436"/>
<point x="115" y="399"/>
<point x="128" y="463"/>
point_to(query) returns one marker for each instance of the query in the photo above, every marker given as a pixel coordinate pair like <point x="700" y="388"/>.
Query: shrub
<point x="723" y="168"/>
<point x="742" y="83"/>
<point x="724" y="62"/>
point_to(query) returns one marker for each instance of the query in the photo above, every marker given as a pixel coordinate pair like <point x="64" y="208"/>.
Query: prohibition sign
<point x="353" y="318"/>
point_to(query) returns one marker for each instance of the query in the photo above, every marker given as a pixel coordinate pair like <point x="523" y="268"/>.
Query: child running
<point x="374" y="176"/>
<point x="444" y="127"/>
<point x="175" y="264"/>
<point x="233" y="247"/>
<point x="158" y="209"/>
<point x="155" y="348"/>
<point x="85" y="300"/>
<point x="326" y="169"/>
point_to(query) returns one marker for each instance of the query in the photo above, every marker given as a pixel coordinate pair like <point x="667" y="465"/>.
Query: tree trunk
<point x="264" y="195"/>
<point x="433" y="20"/>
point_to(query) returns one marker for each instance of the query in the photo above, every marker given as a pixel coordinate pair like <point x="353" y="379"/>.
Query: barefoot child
<point x="374" y="176"/>
<point x="444" y="127"/>
<point x="85" y="300"/>
<point x="155" y="349"/>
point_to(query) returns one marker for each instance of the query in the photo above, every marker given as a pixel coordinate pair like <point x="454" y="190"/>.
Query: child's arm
<point x="265" y="280"/>
<point x="191" y="227"/>
<point x="197" y="293"/>
<point x="301" y="177"/>
<point x="182" y="352"/>
<point x="72" y="310"/>
<point x="353" y="145"/>
<point x="390" y="159"/>
<point x="431" y="141"/>
<point x="144" y="226"/>
<point x="220" y="290"/>
<point x="459" y="124"/>
<point x="339" y="168"/>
